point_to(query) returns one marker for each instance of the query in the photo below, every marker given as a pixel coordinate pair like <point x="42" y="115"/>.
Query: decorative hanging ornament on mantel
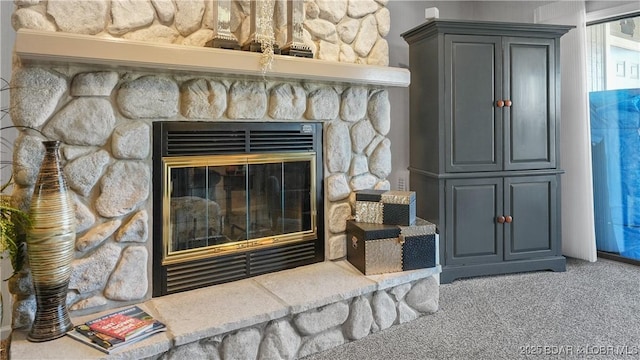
<point x="50" y="247"/>
<point x="261" y="32"/>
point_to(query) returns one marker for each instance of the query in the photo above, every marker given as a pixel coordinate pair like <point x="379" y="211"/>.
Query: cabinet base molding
<point x="453" y="272"/>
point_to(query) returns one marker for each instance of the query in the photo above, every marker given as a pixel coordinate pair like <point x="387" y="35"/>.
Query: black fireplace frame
<point x="182" y="138"/>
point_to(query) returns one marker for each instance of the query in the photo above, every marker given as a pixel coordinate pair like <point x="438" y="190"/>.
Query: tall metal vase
<point x="50" y="247"/>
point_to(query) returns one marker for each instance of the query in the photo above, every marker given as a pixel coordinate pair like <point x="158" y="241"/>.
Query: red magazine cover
<point x="124" y="324"/>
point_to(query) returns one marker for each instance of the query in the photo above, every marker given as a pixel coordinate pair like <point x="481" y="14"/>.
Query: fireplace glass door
<point x="221" y="204"/>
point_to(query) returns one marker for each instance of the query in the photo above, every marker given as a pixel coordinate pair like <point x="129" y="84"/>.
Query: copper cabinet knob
<point x="507" y="103"/>
<point x="499" y="103"/>
<point x="508" y="219"/>
<point x="501" y="219"/>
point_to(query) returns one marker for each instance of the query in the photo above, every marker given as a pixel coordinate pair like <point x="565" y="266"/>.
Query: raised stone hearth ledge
<point x="284" y="315"/>
<point x="34" y="46"/>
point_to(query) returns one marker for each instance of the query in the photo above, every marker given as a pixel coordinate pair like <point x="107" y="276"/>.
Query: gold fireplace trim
<point x="180" y="256"/>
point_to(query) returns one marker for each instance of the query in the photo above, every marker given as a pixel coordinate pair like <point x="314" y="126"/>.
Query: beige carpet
<point x="590" y="311"/>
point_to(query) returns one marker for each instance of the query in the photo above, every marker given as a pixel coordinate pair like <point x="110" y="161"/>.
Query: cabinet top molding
<point x="33" y="46"/>
<point x="470" y="27"/>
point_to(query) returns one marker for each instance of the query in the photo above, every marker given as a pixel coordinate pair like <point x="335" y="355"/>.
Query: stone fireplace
<point x="101" y="87"/>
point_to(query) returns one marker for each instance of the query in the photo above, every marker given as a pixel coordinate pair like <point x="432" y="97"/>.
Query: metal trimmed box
<point x="380" y="248"/>
<point x="386" y="207"/>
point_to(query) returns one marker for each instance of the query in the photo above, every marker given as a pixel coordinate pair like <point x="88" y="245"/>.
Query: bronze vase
<point x="50" y="247"/>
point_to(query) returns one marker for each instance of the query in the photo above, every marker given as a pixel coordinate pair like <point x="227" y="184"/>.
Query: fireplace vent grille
<point x="197" y="142"/>
<point x="193" y="275"/>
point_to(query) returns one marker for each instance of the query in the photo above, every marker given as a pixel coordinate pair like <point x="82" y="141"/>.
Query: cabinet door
<point x="473" y="125"/>
<point x="532" y="203"/>
<point x="472" y="234"/>
<point x="530" y="120"/>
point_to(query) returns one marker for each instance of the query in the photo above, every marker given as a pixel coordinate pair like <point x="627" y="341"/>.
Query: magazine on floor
<point x="107" y="341"/>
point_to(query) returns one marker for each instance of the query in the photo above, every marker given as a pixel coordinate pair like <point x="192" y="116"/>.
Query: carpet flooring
<point x="591" y="311"/>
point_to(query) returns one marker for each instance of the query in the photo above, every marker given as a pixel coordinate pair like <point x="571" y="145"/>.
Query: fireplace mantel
<point x="34" y="46"/>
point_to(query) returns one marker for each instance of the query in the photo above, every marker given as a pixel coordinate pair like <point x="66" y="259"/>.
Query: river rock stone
<point x="363" y="182"/>
<point x="360" y="8"/>
<point x="26" y="18"/>
<point x="287" y="102"/>
<point x="337" y="247"/>
<point x="35" y="93"/>
<point x="148" y="97"/>
<point x="188" y="16"/>
<point x="379" y="54"/>
<point x="84" y="217"/>
<point x="380" y="160"/>
<point x="79" y="16"/>
<point x="83" y="121"/>
<point x="97" y="83"/>
<point x="84" y="172"/>
<point x="129" y="280"/>
<point x="247" y="100"/>
<point x="361" y="135"/>
<point x="328" y="51"/>
<point x="424" y="296"/>
<point x="353" y="106"/>
<point x="347" y="54"/>
<point x="384" y="310"/>
<point x="156" y="33"/>
<point x="127" y="15"/>
<point x="367" y="36"/>
<point x="338" y="216"/>
<point x="91" y="273"/>
<point x="348" y="29"/>
<point x="241" y="345"/>
<point x="88" y="303"/>
<point x="383" y="18"/>
<point x="27" y="156"/>
<point x="202" y="99"/>
<point x="321" y="342"/>
<point x="318" y="320"/>
<point x="332" y="10"/>
<point x="280" y="341"/>
<point x="97" y="235"/>
<point x="198" y="38"/>
<point x="165" y="10"/>
<point x="337" y="187"/>
<point x="124" y="186"/>
<point x="131" y="141"/>
<point x="406" y="313"/>
<point x="379" y="111"/>
<point x="359" y="165"/>
<point x="136" y="229"/>
<point x="338" y="147"/>
<point x="358" y="324"/>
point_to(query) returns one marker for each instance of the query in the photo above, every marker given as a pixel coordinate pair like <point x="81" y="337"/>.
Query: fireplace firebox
<point x="234" y="200"/>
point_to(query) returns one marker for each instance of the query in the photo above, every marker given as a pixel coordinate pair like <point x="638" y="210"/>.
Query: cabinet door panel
<point x="532" y="204"/>
<point x="530" y="120"/>
<point x="473" y="124"/>
<point x="472" y="233"/>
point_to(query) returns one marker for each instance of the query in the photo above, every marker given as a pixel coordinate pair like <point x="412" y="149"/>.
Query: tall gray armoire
<point x="484" y="143"/>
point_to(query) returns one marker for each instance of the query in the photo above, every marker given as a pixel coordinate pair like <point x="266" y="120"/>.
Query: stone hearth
<point x="285" y="315"/>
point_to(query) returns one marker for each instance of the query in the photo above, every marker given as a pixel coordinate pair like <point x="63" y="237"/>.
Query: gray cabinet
<point x="484" y="107"/>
